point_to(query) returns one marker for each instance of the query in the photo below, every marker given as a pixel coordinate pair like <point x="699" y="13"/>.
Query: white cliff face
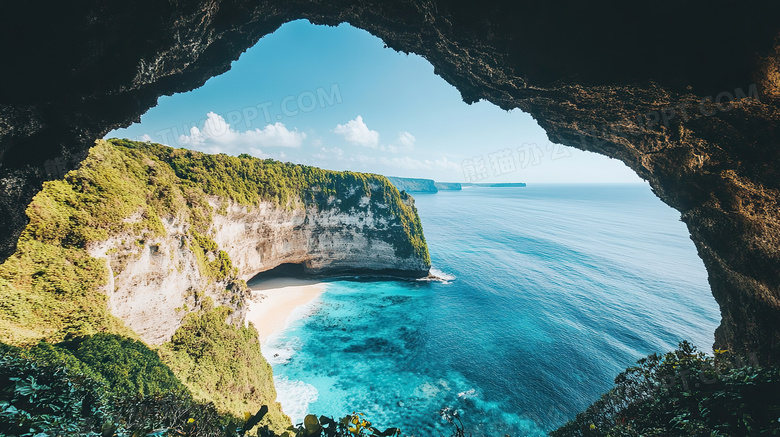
<point x="261" y="238"/>
<point x="155" y="283"/>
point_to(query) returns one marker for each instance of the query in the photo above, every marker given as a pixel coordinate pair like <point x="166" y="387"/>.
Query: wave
<point x="439" y="276"/>
<point x="278" y="351"/>
<point x="468" y="394"/>
<point x="295" y="397"/>
<point x="302" y="311"/>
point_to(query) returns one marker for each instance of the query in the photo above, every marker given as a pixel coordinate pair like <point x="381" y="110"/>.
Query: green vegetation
<point x="46" y="397"/>
<point x="685" y="392"/>
<point x="223" y="364"/>
<point x="51" y="288"/>
<point x="218" y="269"/>
<point x="110" y="385"/>
<point x="123" y="365"/>
<point x="41" y="397"/>
<point x="51" y="292"/>
<point x="36" y="398"/>
<point x="128" y="366"/>
<point x="352" y="425"/>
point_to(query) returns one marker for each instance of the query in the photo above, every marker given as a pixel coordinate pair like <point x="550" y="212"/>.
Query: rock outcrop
<point x="657" y="87"/>
<point x="152" y="285"/>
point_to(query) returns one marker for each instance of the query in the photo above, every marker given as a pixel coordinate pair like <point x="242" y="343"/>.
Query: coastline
<point x="273" y="301"/>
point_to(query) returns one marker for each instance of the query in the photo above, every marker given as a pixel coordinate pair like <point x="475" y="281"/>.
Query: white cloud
<point x="338" y="153"/>
<point x="333" y="153"/>
<point x="356" y="132"/>
<point x="217" y="136"/>
<point x="363" y="159"/>
<point x="406" y="140"/>
<point x="257" y="153"/>
<point x="405" y="143"/>
<point x="146" y="138"/>
<point x="405" y="163"/>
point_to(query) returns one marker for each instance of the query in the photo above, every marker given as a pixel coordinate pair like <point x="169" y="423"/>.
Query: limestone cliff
<point x="324" y="242"/>
<point x="170" y="235"/>
<point x="162" y="280"/>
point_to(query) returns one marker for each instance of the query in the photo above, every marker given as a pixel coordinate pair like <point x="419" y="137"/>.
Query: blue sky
<point x="336" y="98"/>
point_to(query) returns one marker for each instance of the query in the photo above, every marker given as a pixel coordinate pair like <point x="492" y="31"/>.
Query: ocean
<point x="551" y="291"/>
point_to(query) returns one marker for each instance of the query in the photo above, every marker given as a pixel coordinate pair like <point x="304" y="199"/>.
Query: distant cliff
<point x="497" y="185"/>
<point x="448" y="186"/>
<point x="145" y="233"/>
<point x="415" y="185"/>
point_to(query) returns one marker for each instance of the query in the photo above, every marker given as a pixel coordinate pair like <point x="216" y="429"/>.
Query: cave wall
<point x="687" y="95"/>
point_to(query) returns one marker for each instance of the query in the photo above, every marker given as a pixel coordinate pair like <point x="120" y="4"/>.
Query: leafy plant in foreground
<point x="51" y="399"/>
<point x="38" y="399"/>
<point x="685" y="393"/>
<point x="353" y="425"/>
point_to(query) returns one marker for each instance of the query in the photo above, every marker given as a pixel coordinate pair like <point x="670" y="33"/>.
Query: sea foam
<point x="295" y="397"/>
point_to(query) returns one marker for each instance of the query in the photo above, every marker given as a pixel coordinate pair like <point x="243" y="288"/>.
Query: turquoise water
<point x="553" y="291"/>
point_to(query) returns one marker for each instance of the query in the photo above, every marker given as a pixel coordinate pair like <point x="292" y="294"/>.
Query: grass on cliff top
<point x="247" y="181"/>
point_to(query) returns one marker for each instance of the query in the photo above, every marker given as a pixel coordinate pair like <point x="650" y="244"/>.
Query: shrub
<point x="128" y="366"/>
<point x="223" y="363"/>
<point x="125" y="366"/>
<point x="685" y="392"/>
<point x="353" y="425"/>
<point x="50" y="399"/>
<point x="38" y="398"/>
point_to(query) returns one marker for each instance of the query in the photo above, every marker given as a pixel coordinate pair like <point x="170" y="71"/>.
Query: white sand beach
<point x="274" y="300"/>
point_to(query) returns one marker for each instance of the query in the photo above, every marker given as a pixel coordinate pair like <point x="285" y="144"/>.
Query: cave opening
<point x="323" y="120"/>
<point x="284" y="270"/>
